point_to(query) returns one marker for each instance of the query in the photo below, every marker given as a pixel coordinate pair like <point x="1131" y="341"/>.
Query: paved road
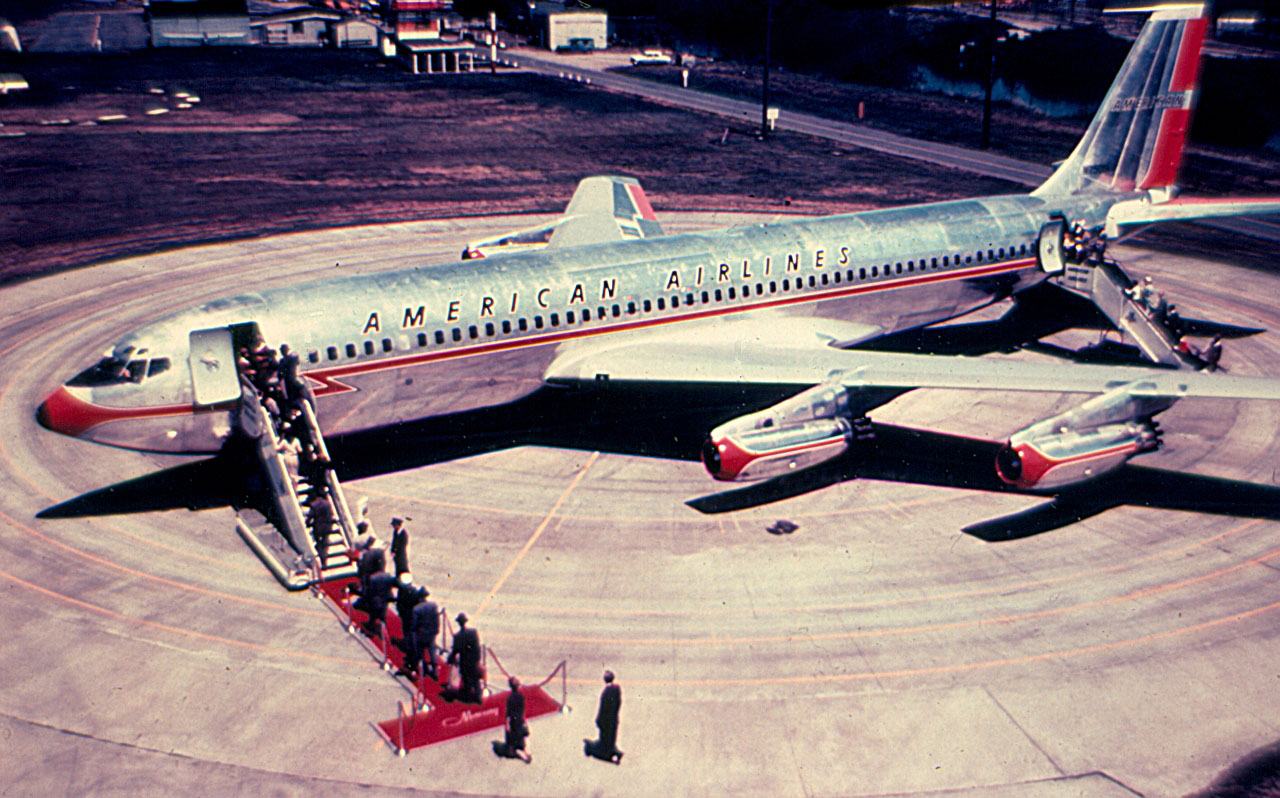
<point x="875" y="651"/>
<point x="848" y="134"/>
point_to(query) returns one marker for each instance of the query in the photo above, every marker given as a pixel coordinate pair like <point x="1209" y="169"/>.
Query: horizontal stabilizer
<point x="1138" y="212"/>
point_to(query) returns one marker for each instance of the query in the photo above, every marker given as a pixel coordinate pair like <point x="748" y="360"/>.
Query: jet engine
<point x="809" y="428"/>
<point x="1086" y="441"/>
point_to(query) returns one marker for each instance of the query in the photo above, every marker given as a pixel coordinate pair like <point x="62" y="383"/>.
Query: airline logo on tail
<point x="1135" y="141"/>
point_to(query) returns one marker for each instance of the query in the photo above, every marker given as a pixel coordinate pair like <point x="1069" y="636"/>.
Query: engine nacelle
<point x="1088" y="440"/>
<point x="809" y="428"/>
<point x="1066" y="458"/>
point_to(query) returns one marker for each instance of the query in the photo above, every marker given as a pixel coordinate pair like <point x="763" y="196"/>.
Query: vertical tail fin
<point x="1135" y="140"/>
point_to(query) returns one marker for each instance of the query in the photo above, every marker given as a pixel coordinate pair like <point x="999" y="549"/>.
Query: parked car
<point x="651" y="58"/>
<point x="577" y="46"/>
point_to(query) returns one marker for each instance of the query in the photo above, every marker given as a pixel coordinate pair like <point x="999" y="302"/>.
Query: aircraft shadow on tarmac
<point x="659" y="423"/>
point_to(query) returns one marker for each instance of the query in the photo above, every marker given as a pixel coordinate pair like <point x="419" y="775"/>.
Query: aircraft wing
<point x="735" y="362"/>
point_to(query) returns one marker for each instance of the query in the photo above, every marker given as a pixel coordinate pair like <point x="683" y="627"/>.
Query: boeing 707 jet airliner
<point x="601" y="296"/>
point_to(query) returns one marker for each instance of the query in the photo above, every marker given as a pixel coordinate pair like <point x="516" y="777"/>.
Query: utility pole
<point x="764" y="94"/>
<point x="991" y="68"/>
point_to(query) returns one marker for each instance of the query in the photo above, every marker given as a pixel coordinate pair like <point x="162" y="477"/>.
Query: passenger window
<point x="332" y="352"/>
<point x="1001" y="252"/>
<point x="600" y="313"/>
<point x="313" y="356"/>
<point x="824" y="278"/>
<point x="705" y="297"/>
<point x="568" y="317"/>
<point x="934" y="263"/>
<point x="911" y="265"/>
<point x="662" y="304"/>
<point x="899" y="268"/>
<point x="457" y="334"/>
<point x="617" y="311"/>
<point x="688" y="298"/>
<point x="386" y="344"/>
<point x="862" y="273"/>
<point x="506" y="326"/>
<point x="968" y="259"/>
<point x="555" y="319"/>
<point x="631" y="307"/>
<point x="368" y="347"/>
<point x="979" y="256"/>
<point x="472" y="332"/>
<point x="675" y="301"/>
<point x="719" y="295"/>
<point x="524" y="325"/>
<point x="648" y="306"/>
<point x="733" y="295"/>
<point x="946" y="260"/>
<point x="786" y="284"/>
<point x="991" y="254"/>
<point x="351" y="350"/>
<point x="586" y="314"/>
<point x="773" y="287"/>
<point x="422" y="339"/>
<point x="489" y="329"/>
<point x="439" y="336"/>
<point x="837" y="277"/>
<point x="537" y="322"/>
<point x="158" y="365"/>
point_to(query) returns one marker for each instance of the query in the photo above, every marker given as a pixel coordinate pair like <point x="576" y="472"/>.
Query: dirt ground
<point x="288" y="140"/>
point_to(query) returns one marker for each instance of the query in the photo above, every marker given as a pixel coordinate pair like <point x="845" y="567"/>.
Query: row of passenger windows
<point x="687" y="298"/>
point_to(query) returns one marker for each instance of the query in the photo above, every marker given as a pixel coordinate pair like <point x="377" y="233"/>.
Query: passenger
<point x="287" y="371"/>
<point x="407" y="598"/>
<point x="517" y="730"/>
<point x="1213" y="354"/>
<point x="379" y="597"/>
<point x="400" y="546"/>
<point x="1161" y="311"/>
<point x="320" y="519"/>
<point x="372" y="559"/>
<point x="466" y="654"/>
<point x="426" y="627"/>
<point x="606" y="747"/>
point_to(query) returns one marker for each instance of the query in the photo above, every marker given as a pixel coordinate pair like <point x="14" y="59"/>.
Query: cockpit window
<point x="117" y="371"/>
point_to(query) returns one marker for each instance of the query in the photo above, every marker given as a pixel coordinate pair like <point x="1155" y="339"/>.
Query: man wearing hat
<point x="400" y="546"/>
<point x="466" y="653"/>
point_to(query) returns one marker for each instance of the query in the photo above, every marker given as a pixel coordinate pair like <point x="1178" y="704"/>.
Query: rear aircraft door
<point x="1050" y="249"/>
<point x="213" y="366"/>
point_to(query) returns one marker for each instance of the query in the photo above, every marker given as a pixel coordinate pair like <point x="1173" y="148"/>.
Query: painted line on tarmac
<point x="537" y="532"/>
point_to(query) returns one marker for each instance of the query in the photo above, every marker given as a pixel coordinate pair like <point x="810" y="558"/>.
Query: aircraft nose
<point x="65" y="412"/>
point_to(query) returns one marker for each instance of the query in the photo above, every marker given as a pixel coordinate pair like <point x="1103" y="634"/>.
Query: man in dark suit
<point x="606" y="747"/>
<point x="425" y="627"/>
<point x="400" y="546"/>
<point x="466" y="653"/>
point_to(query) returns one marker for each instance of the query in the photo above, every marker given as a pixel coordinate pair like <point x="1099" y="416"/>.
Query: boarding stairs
<point x="286" y="485"/>
<point x="1121" y="300"/>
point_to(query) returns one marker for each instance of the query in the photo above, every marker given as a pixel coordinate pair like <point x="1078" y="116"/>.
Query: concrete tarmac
<point x="877" y="650"/>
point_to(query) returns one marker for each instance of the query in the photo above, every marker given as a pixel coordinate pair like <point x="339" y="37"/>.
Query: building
<point x="192" y="23"/>
<point x="299" y="27"/>
<point x="562" y="28"/>
<point x="354" y="32"/>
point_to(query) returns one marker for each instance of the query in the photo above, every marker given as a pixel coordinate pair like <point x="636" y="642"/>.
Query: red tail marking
<point x="1166" y="157"/>
<point x="1187" y="67"/>
<point x="642" y="202"/>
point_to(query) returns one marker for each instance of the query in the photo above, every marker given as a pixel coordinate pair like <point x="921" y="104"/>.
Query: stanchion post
<point x="386" y="647"/>
<point x="400" y="750"/>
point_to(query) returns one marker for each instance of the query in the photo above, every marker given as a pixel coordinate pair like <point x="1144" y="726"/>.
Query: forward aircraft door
<point x="1050" y="247"/>
<point x="213" y="367"/>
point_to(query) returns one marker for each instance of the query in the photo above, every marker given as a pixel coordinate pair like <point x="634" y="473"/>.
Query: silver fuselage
<point x="426" y="340"/>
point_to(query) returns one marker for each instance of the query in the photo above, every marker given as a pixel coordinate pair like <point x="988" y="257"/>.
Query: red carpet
<point x="439" y="720"/>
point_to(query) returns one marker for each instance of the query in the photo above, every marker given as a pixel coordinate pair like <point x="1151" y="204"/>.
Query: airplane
<point x="776" y="322"/>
